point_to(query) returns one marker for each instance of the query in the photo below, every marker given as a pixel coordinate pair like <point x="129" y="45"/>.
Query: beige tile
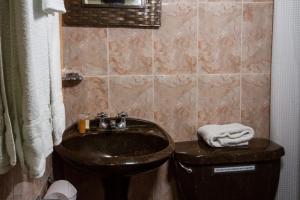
<point x="133" y="94"/>
<point x="218" y="99"/>
<point x="130" y="51"/>
<point x="256" y="103"/>
<point x="85" y="50"/>
<point x="178" y="1"/>
<point x="15" y="185"/>
<point x="175" y="43"/>
<point x="176" y="47"/>
<point x="245" y="1"/>
<point x="90" y="96"/>
<point x="24" y="190"/>
<point x="220" y="0"/>
<point x="219" y="37"/>
<point x="41" y="184"/>
<point x="175" y="105"/>
<point x="6" y="186"/>
<point x="257" y="37"/>
<point x="24" y="187"/>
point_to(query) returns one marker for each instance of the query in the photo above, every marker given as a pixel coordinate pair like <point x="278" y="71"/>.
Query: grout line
<point x="153" y="77"/>
<point x="245" y="2"/>
<point x="131" y="75"/>
<point x="153" y="99"/>
<point x="197" y="69"/>
<point x="262" y="2"/>
<point x="152" y="48"/>
<point x="174" y="75"/>
<point x="241" y="66"/>
<point x="107" y="51"/>
<point x="108" y="72"/>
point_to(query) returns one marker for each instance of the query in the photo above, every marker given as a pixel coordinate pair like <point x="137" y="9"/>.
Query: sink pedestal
<point x="116" y="187"/>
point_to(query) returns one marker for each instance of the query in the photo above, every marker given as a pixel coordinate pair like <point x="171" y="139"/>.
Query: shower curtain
<point x="285" y="104"/>
<point x="30" y="47"/>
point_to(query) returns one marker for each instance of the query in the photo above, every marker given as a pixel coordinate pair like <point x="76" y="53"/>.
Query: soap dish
<point x="71" y="79"/>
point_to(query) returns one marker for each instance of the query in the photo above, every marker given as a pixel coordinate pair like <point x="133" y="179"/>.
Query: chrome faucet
<point x="102" y="124"/>
<point x="115" y="123"/>
<point x="122" y="116"/>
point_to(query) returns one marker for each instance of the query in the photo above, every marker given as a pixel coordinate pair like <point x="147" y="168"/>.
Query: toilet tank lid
<point x="199" y="153"/>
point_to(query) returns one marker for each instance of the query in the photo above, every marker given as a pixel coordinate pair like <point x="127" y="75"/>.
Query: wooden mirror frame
<point x="117" y="5"/>
<point x="79" y="14"/>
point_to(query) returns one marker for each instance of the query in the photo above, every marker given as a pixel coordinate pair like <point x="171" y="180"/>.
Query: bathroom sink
<point x="139" y="147"/>
<point x="116" y="154"/>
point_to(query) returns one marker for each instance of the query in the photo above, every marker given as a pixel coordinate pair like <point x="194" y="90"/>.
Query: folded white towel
<point x="53" y="6"/>
<point x="234" y="134"/>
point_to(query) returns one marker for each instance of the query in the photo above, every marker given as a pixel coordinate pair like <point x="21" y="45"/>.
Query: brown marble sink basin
<point x="140" y="147"/>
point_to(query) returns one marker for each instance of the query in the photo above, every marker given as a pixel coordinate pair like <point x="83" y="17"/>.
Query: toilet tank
<point x="236" y="173"/>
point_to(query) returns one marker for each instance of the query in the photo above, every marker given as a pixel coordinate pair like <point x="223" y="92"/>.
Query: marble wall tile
<point x="6" y="186"/>
<point x="246" y="1"/>
<point x="179" y="1"/>
<point x="256" y="103"/>
<point x="174" y="105"/>
<point x="41" y="184"/>
<point x="25" y="188"/>
<point x="219" y="37"/>
<point x="175" y="43"/>
<point x="90" y="96"/>
<point x="85" y="50"/>
<point x="218" y="99"/>
<point x="130" y="51"/>
<point x="257" y="37"/>
<point x="174" y="49"/>
<point x="226" y="41"/>
<point x="221" y="0"/>
<point x="15" y="185"/>
<point x="132" y="94"/>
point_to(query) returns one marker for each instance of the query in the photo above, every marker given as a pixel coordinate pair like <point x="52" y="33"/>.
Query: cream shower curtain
<point x="285" y="110"/>
<point x="7" y="145"/>
<point x="31" y="76"/>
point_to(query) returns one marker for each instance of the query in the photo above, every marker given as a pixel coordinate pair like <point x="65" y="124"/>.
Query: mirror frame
<point x="86" y="15"/>
<point x="114" y="5"/>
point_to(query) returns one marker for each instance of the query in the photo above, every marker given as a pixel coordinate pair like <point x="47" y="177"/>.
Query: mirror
<point x="115" y="3"/>
<point x="113" y="13"/>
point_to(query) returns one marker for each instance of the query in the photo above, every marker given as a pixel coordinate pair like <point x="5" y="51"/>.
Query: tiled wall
<point x="208" y="63"/>
<point x="16" y="186"/>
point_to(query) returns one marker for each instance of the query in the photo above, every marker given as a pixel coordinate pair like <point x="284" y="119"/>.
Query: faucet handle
<point x="122" y="115"/>
<point x="101" y="115"/>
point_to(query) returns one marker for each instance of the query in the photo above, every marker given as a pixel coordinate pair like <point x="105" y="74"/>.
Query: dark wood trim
<point x="79" y="14"/>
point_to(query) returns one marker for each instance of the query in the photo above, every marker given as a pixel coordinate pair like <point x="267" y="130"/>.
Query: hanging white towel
<point x="56" y="97"/>
<point x="234" y="134"/>
<point x="53" y="6"/>
<point x="34" y="91"/>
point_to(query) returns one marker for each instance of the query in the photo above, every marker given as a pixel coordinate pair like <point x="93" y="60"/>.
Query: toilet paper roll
<point x="61" y="190"/>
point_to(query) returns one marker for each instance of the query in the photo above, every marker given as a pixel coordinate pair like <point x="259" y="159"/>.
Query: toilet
<point x="236" y="173"/>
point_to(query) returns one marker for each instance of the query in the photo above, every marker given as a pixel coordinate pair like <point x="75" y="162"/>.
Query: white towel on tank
<point x="234" y="134"/>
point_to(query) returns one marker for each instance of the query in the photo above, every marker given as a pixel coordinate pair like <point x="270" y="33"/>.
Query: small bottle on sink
<point x="83" y="123"/>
